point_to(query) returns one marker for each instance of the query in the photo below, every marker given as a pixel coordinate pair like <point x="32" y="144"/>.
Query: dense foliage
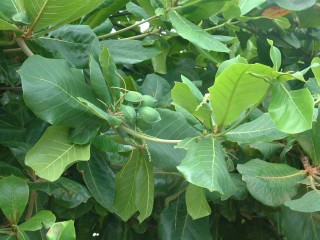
<point x="204" y="125"/>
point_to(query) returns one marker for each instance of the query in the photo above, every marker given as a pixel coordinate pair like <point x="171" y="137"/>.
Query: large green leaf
<point x="309" y="141"/>
<point x="182" y="96"/>
<point x="261" y="129"/>
<point x="144" y="189"/>
<point x="99" y="179"/>
<point x="54" y="153"/>
<point x="51" y="90"/>
<point x="43" y="218"/>
<point x="45" y="13"/>
<point x="10" y="134"/>
<point x="130" y="51"/>
<point x="171" y="126"/>
<point x="298" y="226"/>
<point x="279" y="182"/>
<point x="124" y="203"/>
<point x="247" y="5"/>
<point x="236" y="89"/>
<point x="196" y="201"/>
<point x="71" y="42"/>
<point x="205" y="166"/>
<point x="62" y="231"/>
<point x="14" y="197"/>
<point x="308" y="203"/>
<point x="316" y="70"/>
<point x="195" y="34"/>
<point x="291" y="111"/>
<point x="175" y="223"/>
<point x="7" y="170"/>
<point x="295" y="5"/>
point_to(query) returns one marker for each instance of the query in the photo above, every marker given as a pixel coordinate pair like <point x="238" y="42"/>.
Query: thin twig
<point x="11" y="50"/>
<point x="141" y="35"/>
<point x="127" y="28"/>
<point x="32" y="201"/>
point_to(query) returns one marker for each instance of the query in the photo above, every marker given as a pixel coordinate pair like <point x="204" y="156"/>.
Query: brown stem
<point x="32" y="202"/>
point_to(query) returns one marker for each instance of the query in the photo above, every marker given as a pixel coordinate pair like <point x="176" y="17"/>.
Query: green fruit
<point x="133" y="97"/>
<point x="129" y="113"/>
<point x="149" y="115"/>
<point x="148" y="101"/>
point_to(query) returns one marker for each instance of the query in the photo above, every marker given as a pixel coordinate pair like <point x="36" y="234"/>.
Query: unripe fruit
<point x="129" y="113"/>
<point x="133" y="97"/>
<point x="149" y="115"/>
<point x="148" y="101"/>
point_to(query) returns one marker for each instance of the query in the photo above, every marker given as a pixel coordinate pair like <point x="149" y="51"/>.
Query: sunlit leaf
<point x="196" y="201"/>
<point x="43" y="218"/>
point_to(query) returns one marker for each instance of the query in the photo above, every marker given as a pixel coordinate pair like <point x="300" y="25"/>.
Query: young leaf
<point x="235" y="89"/>
<point x="182" y="96"/>
<point x="195" y="34"/>
<point x="47" y="13"/>
<point x="196" y="201"/>
<point x="96" y="173"/>
<point x="247" y="5"/>
<point x="308" y="203"/>
<point x="13" y="198"/>
<point x="261" y="129"/>
<point x="204" y="166"/>
<point x="43" y="218"/>
<point x="51" y="89"/>
<point x="62" y="231"/>
<point x="275" y="56"/>
<point x="54" y="152"/>
<point x="144" y="189"/>
<point x="124" y="203"/>
<point x="175" y="223"/>
<point x="291" y="111"/>
<point x="279" y="182"/>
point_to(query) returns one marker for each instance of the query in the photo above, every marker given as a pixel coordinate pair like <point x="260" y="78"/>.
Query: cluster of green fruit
<point x="139" y="109"/>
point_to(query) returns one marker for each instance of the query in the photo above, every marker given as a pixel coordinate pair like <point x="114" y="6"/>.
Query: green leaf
<point x="84" y="134"/>
<point x="62" y="231"/>
<point x="297" y="225"/>
<point x="196" y="201"/>
<point x="225" y="64"/>
<point x="107" y="8"/>
<point x="175" y="223"/>
<point x="10" y="7"/>
<point x="21" y="234"/>
<point x="70" y="193"/>
<point x="308" y="203"/>
<point x="279" y="182"/>
<point x="144" y="189"/>
<point x="108" y="143"/>
<point x="247" y="5"/>
<point x="136" y="10"/>
<point x="109" y="71"/>
<point x="98" y="82"/>
<point x="99" y="179"/>
<point x="295" y="5"/>
<point x="10" y="134"/>
<point x="7" y="170"/>
<point x="71" y="42"/>
<point x="171" y="126"/>
<point x="158" y="88"/>
<point x="43" y="218"/>
<point x="44" y="13"/>
<point x="7" y="26"/>
<point x="54" y="153"/>
<point x="291" y="111"/>
<point x="159" y="62"/>
<point x="275" y="56"/>
<point x="14" y="197"/>
<point x="261" y="129"/>
<point x="124" y="203"/>
<point x="236" y="89"/>
<point x="309" y="141"/>
<point x="51" y="89"/>
<point x="205" y="166"/>
<point x="182" y="96"/>
<point x="195" y="34"/>
<point x="316" y="70"/>
<point x="130" y="51"/>
<point x="114" y="121"/>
